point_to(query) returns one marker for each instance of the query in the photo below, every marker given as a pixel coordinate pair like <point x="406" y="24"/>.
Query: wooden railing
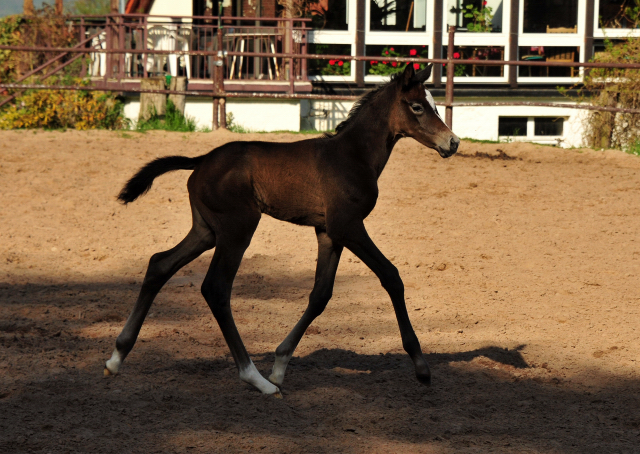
<point x="139" y="46"/>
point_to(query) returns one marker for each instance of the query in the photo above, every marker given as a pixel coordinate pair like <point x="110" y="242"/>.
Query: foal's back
<point x="284" y="180"/>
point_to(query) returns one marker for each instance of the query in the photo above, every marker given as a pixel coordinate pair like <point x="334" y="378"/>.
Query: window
<point x="482" y="16"/>
<point x="512" y="126"/>
<point x="398" y="15"/>
<point x="550" y="16"/>
<point x="477" y="53"/>
<point x="329" y="67"/>
<point x="536" y="129"/>
<point x="548" y="54"/>
<point x="548" y="126"/>
<point x="329" y="14"/>
<point x="386" y="68"/>
<point x="618" y="14"/>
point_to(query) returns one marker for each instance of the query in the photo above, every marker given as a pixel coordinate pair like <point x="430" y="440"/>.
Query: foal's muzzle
<point x="454" y="143"/>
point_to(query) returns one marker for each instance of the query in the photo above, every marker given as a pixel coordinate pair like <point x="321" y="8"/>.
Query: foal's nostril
<point x="453" y="147"/>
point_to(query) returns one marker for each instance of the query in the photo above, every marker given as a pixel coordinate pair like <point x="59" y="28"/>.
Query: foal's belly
<point x="295" y="200"/>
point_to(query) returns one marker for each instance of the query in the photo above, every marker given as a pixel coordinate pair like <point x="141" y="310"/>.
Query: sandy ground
<point x="521" y="270"/>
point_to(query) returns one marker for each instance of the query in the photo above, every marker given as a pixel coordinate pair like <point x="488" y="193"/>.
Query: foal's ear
<point x="423" y="75"/>
<point x="408" y="74"/>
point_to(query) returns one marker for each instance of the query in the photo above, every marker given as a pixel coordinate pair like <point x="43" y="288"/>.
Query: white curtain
<point x="419" y="13"/>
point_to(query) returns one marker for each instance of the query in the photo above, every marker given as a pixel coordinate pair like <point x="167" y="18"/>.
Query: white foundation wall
<point x="480" y="123"/>
<point x="250" y="114"/>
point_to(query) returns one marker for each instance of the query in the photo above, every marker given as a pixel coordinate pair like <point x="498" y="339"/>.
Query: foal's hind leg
<point x="161" y="267"/>
<point x="216" y="289"/>
<point x="328" y="259"/>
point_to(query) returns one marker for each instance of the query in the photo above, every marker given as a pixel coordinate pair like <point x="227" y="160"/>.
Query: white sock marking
<point x="114" y="363"/>
<point x="251" y="375"/>
<point x="279" y="368"/>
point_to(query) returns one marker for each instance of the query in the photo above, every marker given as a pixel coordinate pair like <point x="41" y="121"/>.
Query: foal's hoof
<point x="424" y="379"/>
<point x="278" y="394"/>
<point x="107" y="372"/>
<point x="423" y="374"/>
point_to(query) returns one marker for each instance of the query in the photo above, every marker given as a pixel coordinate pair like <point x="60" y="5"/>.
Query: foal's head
<point x="415" y="114"/>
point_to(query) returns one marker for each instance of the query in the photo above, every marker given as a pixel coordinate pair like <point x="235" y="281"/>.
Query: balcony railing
<point x="119" y="43"/>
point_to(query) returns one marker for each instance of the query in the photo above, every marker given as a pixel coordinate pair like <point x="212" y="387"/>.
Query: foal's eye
<point x="417" y="109"/>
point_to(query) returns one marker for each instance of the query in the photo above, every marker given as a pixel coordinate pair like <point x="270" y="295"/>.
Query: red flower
<point x="340" y="63"/>
<point x="386" y="52"/>
<point x="484" y="3"/>
<point x="413" y="52"/>
<point x="391" y="49"/>
<point x="384" y="62"/>
<point x="332" y="62"/>
<point x="394" y="64"/>
<point x="456" y="55"/>
<point x="416" y="66"/>
<point x="373" y="62"/>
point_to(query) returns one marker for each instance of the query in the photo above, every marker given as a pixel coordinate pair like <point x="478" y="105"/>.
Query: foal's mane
<point x="358" y="105"/>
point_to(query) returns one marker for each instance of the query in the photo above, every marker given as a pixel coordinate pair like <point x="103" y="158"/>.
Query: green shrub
<point x="173" y="120"/>
<point x="55" y="109"/>
<point x="612" y="88"/>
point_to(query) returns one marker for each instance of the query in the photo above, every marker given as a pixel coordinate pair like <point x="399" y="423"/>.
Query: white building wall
<point x="170" y="8"/>
<point x="251" y="114"/>
<point x="480" y="123"/>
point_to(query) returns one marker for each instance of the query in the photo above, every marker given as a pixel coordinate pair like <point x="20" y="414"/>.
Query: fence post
<point x="220" y="70"/>
<point x="109" y="46"/>
<point x="437" y="41"/>
<point x="121" y="46"/>
<point x="303" y="51"/>
<point x="83" y="36"/>
<point x="448" y="116"/>
<point x="292" y="75"/>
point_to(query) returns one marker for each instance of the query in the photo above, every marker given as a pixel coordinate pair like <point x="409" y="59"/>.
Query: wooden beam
<point x="437" y="41"/>
<point x="360" y="44"/>
<point x="588" y="30"/>
<point x="514" y="19"/>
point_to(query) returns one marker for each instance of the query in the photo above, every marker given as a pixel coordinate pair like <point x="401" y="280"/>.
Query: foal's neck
<point x="372" y="137"/>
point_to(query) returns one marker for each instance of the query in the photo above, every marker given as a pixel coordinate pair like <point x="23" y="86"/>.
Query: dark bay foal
<point x="328" y="183"/>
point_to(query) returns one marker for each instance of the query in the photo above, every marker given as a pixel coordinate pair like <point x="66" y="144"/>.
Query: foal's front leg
<point x="328" y="259"/>
<point x="357" y="240"/>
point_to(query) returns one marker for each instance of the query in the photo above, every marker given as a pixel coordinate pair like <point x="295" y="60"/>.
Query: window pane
<point x="329" y="14"/>
<point x="512" y="126"/>
<point x="545" y="126"/>
<point x="477" y="53"/>
<point x="617" y="14"/>
<point x="398" y="15"/>
<point x="548" y="54"/>
<point x="329" y="67"/>
<point x="385" y="68"/>
<point x="550" y="16"/>
<point x="482" y="16"/>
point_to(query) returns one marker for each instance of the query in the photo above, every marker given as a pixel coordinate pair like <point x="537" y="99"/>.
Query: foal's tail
<point x="141" y="182"/>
